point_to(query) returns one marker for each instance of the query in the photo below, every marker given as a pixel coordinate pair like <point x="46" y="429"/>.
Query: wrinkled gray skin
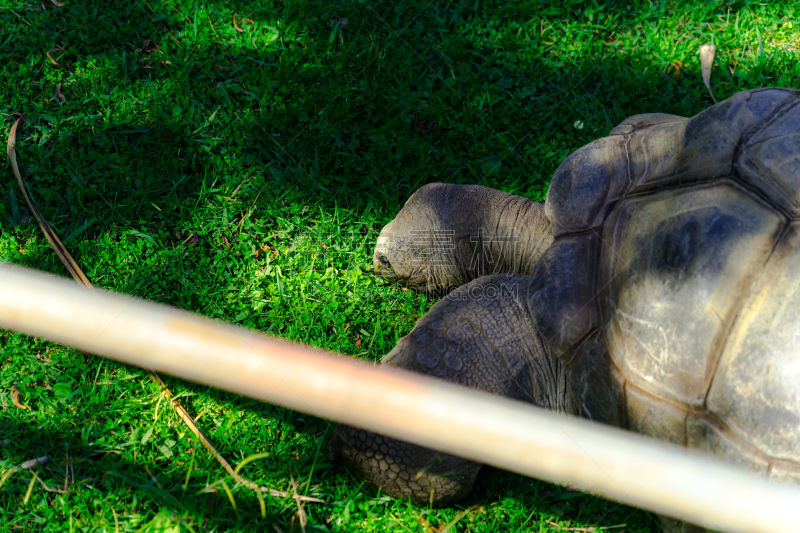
<point x="488" y="340"/>
<point x="668" y="300"/>
<point x="447" y="235"/>
<point x="482" y="335"/>
<point x="484" y="344"/>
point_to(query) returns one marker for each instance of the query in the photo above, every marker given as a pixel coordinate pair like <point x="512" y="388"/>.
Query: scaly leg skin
<point x="480" y="336"/>
<point x="404" y="470"/>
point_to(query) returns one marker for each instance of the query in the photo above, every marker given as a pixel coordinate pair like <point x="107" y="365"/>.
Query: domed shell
<point x="672" y="289"/>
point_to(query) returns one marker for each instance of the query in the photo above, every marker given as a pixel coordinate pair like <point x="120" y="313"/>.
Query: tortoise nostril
<point x="384" y="261"/>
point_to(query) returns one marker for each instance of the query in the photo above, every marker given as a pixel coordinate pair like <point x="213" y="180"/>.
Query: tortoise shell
<point x="672" y="291"/>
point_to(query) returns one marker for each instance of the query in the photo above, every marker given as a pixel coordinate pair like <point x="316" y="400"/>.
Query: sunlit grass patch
<point x="245" y="176"/>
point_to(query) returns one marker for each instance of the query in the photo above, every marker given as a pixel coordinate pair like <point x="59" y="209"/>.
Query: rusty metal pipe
<point x="615" y="464"/>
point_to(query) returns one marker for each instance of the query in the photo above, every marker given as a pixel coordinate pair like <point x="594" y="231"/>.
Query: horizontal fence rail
<point x="507" y="434"/>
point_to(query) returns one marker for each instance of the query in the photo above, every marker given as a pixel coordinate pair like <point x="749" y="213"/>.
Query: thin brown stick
<point x="23" y="8"/>
<point x="589" y="529"/>
<point x="20" y="17"/>
<point x="301" y="514"/>
<point x="223" y="46"/>
<point x="52" y="238"/>
<point x="179" y="13"/>
<point x="165" y="28"/>
<point x="51" y="489"/>
<point x="210" y="447"/>
<point x="220" y="40"/>
<point x="81" y="278"/>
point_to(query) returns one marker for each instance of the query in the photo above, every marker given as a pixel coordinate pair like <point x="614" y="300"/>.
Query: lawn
<point x="237" y="159"/>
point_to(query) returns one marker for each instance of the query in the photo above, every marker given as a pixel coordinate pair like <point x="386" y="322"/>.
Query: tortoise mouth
<point x="386" y="274"/>
<point x="382" y="267"/>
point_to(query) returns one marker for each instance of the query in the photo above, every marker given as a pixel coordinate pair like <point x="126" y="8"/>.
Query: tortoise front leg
<point x="480" y="336"/>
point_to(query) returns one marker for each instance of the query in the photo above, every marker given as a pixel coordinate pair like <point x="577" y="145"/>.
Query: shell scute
<point x="596" y="384"/>
<point x="755" y="390"/>
<point x="586" y="184"/>
<point x="562" y="289"/>
<point x="675" y="267"/>
<point x="655" y="151"/>
<point x="769" y="159"/>
<point x="655" y="417"/>
<point x="704" y="434"/>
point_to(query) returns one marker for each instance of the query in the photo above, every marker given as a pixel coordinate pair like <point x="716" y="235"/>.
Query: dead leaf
<point x="65" y="66"/>
<point x="27" y="465"/>
<point x="248" y="21"/>
<point x="15" y="398"/>
<point x="358" y="341"/>
<point x="428" y="527"/>
<point x="51" y="58"/>
<point x="266" y="248"/>
<point x="707" y="52"/>
<point x="58" y="95"/>
<point x="240" y="30"/>
<point x="57" y="3"/>
<point x="5" y="404"/>
<point x="676" y="67"/>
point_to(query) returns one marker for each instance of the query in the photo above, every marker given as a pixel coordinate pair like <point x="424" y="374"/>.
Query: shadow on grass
<point x="176" y="124"/>
<point x="158" y="495"/>
<point x="184" y="484"/>
<point x="335" y="122"/>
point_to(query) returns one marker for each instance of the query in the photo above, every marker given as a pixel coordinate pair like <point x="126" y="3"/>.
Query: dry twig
<point x="301" y="514"/>
<point x="81" y="278"/>
<point x="179" y="13"/>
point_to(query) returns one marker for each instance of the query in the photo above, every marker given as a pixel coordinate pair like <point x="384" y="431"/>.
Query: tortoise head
<point x="447" y="235"/>
<point x="417" y="247"/>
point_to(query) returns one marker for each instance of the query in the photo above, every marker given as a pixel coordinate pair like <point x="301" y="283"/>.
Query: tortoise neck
<point x="508" y="234"/>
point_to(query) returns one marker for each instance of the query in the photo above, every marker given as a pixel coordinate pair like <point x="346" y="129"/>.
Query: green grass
<point x="245" y="176"/>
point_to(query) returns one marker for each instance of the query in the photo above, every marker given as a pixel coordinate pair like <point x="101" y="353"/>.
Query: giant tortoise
<point x="657" y="289"/>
